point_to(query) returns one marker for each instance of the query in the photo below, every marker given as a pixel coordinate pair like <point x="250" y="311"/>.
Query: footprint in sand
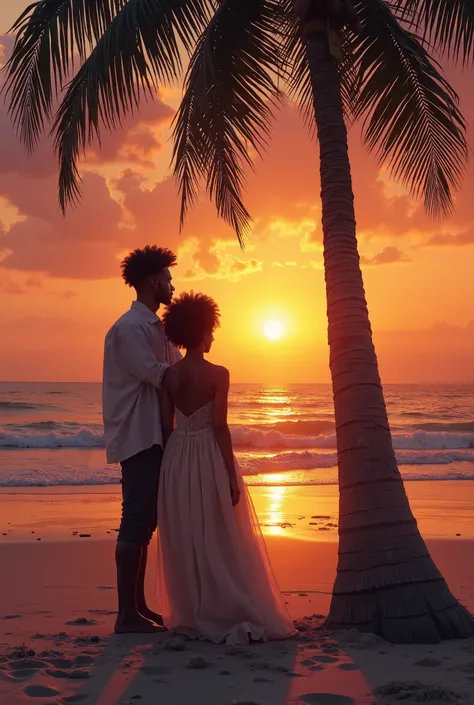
<point x="40" y="691"/>
<point x="79" y="674"/>
<point x="12" y="616"/>
<point x="23" y="674"/>
<point x="27" y="663"/>
<point x="85" y="660"/>
<point x="57" y="673"/>
<point x="325" y="699"/>
<point x="62" y="663"/>
<point x="324" y="659"/>
<point x="348" y="667"/>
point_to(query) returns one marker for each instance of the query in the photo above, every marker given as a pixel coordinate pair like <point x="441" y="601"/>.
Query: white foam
<point x="295" y="473"/>
<point x="247" y="437"/>
<point x="313" y="460"/>
<point x="84" y="438"/>
<point x="242" y="437"/>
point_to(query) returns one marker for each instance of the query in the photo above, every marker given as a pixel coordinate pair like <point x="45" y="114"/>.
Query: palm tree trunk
<point x="386" y="581"/>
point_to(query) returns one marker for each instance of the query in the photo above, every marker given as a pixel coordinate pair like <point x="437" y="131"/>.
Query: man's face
<point x="165" y="287"/>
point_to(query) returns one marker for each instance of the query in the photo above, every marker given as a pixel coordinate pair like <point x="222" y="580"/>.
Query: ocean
<point x="51" y="433"/>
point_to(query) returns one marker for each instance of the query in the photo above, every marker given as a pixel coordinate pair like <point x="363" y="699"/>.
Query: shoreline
<point x="58" y="609"/>
<point x="270" y="479"/>
<point x="305" y="512"/>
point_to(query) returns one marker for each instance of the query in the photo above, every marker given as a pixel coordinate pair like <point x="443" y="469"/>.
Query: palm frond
<point x="411" y="115"/>
<point x="227" y="106"/>
<point x="48" y="35"/>
<point x="447" y="24"/>
<point x="139" y="50"/>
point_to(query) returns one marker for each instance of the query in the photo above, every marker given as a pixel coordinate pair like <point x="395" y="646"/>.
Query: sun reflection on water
<point x="274" y="515"/>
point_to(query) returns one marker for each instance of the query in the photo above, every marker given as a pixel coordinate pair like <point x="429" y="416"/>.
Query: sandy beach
<point x="58" y="601"/>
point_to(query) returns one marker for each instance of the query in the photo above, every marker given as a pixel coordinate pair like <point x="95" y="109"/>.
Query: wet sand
<point x="58" y="600"/>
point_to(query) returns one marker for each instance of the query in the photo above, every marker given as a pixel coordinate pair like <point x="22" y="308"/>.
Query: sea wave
<point x="22" y="406"/>
<point x="247" y="437"/>
<point x="83" y="438"/>
<point x="255" y="471"/>
<point x="244" y="437"/>
<point x="308" y="460"/>
<point x="453" y="426"/>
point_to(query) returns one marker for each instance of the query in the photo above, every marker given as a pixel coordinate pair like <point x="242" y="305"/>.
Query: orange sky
<point x="59" y="278"/>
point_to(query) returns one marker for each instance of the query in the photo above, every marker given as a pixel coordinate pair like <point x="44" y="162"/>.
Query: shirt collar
<point x="145" y="311"/>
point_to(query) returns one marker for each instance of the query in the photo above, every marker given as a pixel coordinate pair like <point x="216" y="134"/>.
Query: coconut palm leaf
<point x="226" y="111"/>
<point x="447" y="24"/>
<point x="412" y="121"/>
<point x="48" y="35"/>
<point x="139" y="50"/>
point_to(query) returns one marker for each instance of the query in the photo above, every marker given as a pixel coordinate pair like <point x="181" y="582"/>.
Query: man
<point x="136" y="355"/>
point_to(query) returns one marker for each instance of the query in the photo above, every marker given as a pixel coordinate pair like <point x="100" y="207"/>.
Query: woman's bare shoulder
<point x="171" y="376"/>
<point x="219" y="372"/>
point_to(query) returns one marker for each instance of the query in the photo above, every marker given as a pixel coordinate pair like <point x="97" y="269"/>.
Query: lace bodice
<point x="201" y="420"/>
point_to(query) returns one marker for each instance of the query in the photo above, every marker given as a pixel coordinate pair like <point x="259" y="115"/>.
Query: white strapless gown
<point x="215" y="581"/>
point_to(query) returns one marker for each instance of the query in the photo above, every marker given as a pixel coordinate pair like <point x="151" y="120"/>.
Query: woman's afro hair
<point x="189" y="318"/>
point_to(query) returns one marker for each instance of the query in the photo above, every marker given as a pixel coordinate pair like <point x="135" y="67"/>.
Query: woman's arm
<point x="166" y="408"/>
<point x="222" y="432"/>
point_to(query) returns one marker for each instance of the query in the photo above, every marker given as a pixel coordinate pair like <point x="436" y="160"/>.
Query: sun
<point x="273" y="329"/>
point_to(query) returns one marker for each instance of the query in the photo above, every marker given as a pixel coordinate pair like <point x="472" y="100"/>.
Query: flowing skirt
<point x="215" y="581"/>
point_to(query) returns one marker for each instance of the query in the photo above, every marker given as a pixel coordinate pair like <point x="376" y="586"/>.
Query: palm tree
<point x="368" y="60"/>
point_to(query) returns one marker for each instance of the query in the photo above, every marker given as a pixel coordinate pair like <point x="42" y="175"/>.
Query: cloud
<point x="14" y="284"/>
<point x="9" y="286"/>
<point x="124" y="207"/>
<point x="84" y="244"/>
<point x="441" y="352"/>
<point x="461" y="239"/>
<point x="389" y="255"/>
<point x="205" y="238"/>
<point x="137" y="140"/>
<point x="88" y="241"/>
<point x="220" y="264"/>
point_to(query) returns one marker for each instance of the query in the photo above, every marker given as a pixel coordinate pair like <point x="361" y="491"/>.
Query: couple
<point x="215" y="581"/>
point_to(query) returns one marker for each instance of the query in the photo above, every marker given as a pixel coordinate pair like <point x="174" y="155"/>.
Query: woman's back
<point x="191" y="385"/>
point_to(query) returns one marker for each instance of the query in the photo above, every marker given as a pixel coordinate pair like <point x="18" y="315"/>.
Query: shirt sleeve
<point x="137" y="357"/>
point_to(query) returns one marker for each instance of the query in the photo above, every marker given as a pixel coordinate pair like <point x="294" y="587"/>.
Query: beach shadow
<point x="185" y="672"/>
<point x="412" y="673"/>
<point x="168" y="669"/>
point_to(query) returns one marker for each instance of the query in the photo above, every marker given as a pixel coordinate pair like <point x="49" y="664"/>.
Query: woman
<point x="215" y="581"/>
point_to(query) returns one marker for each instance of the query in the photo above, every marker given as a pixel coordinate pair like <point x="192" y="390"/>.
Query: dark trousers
<point x="140" y="477"/>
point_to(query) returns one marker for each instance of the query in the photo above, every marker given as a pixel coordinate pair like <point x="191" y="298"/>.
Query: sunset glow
<point x="60" y="277"/>
<point x="273" y="329"/>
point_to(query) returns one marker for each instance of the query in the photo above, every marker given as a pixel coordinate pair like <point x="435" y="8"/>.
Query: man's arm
<point x="166" y="408"/>
<point x="137" y="356"/>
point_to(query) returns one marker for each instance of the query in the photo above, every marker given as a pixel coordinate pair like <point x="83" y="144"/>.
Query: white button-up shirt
<point x="136" y="355"/>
